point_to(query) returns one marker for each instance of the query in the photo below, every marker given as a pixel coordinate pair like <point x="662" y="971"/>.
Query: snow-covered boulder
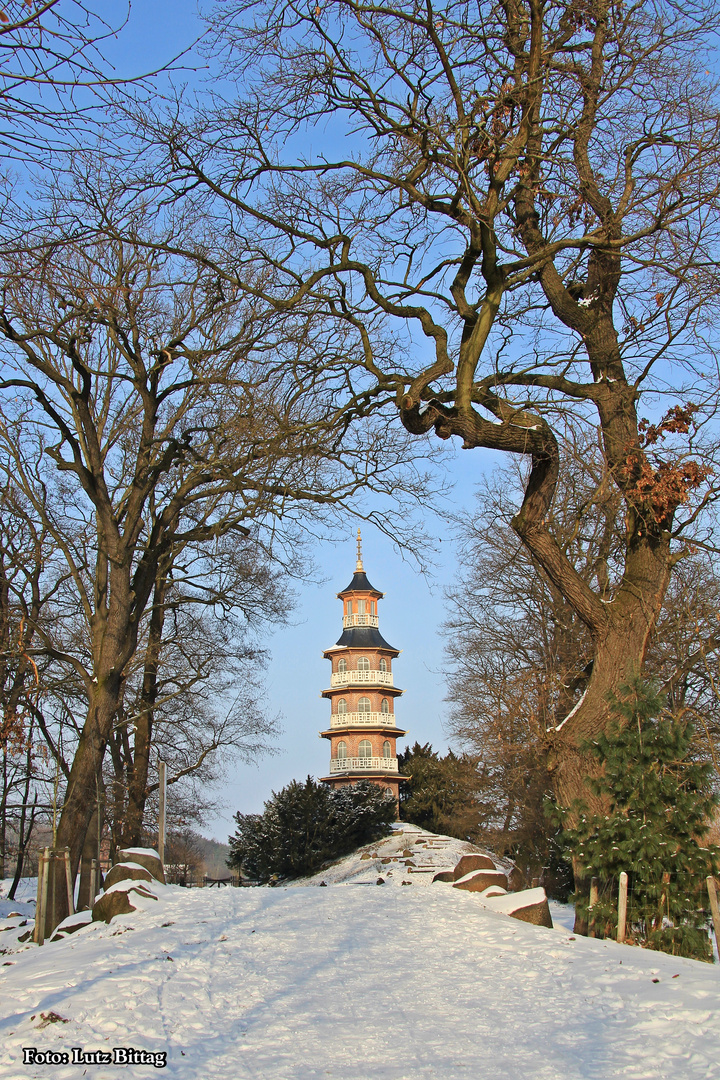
<point x="479" y="880"/>
<point x="146" y="857"/>
<point x="118" y="900"/>
<point x="530" y="906"/>
<point x="444" y="875"/>
<point x="127" y="871"/>
<point x="71" y="924"/>
<point x="472" y="862"/>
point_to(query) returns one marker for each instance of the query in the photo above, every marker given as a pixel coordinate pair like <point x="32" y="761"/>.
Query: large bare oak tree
<point x="514" y="206"/>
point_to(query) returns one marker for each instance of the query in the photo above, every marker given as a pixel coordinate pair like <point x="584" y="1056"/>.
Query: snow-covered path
<point x="356" y="982"/>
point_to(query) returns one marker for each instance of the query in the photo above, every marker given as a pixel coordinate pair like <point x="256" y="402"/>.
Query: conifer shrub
<point x="307" y="825"/>
<point x="441" y="794"/>
<point x="660" y="800"/>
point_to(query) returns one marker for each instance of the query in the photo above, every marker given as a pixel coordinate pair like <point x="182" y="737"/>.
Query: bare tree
<point x="147" y="416"/>
<point x="22" y="599"/>
<point x="194" y="694"/>
<point x="515" y="209"/>
<point x="184" y="856"/>
<point x="56" y="84"/>
<point x="519" y="652"/>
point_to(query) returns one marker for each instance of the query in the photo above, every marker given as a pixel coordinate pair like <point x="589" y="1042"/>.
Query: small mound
<point x="409" y="855"/>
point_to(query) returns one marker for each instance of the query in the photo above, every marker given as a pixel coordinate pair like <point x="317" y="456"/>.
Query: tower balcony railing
<point x="353" y="764"/>
<point x="360" y="620"/>
<point x="366" y="719"/>
<point x="347" y="678"/>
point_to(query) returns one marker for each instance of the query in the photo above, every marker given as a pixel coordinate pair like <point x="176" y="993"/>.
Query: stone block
<point x="537" y="913"/>
<point x="118" y="901"/>
<point x="127" y="871"/>
<point x="473" y="862"/>
<point x="146" y="857"/>
<point x="71" y="924"/>
<point x="479" y="880"/>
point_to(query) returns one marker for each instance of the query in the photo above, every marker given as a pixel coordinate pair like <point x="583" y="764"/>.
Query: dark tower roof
<point x="360" y="583"/>
<point x="364" y="637"/>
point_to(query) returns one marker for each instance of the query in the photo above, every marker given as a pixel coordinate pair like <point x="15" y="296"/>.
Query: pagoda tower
<point x="362" y="694"/>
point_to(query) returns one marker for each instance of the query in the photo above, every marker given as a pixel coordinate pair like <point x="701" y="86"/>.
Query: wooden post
<point x="594" y="891"/>
<point x="712" y="893"/>
<point x="162" y="777"/>
<point x="93" y="881"/>
<point x="69" y="880"/>
<point x="100" y="879"/>
<point x="52" y="891"/>
<point x="622" y="907"/>
<point x="41" y="902"/>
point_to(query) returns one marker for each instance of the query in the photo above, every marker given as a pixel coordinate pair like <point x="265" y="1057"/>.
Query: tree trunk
<point x="619" y="655"/>
<point x="90" y="851"/>
<point x="137" y="787"/>
<point x="138" y="774"/>
<point x="3" y="835"/>
<point x="81" y="795"/>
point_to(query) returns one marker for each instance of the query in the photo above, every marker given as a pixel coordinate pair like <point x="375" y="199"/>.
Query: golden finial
<point x="359" y="564"/>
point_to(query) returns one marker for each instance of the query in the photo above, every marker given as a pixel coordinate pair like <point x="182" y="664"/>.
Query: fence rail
<point x="347" y="678"/>
<point x="354" y="764"/>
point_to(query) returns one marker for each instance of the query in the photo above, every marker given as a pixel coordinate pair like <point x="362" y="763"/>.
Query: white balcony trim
<point x="360" y="620"/>
<point x="369" y="719"/>
<point x="354" y="764"/>
<point x="347" y="678"/>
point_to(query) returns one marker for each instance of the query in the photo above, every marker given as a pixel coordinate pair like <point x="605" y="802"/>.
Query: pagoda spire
<point x="359" y="564"/>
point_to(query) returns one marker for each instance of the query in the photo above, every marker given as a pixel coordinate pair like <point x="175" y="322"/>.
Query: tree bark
<point x="139" y="767"/>
<point x="619" y="655"/>
<point x="81" y="795"/>
<point x="90" y="851"/>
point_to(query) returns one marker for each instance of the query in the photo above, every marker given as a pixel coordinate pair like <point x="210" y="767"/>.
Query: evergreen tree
<point x="442" y="792"/>
<point x="306" y="825"/>
<point x="659" y="799"/>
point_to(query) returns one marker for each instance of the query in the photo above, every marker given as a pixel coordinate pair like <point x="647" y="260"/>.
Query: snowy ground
<point x="353" y="982"/>
<point x="24" y="901"/>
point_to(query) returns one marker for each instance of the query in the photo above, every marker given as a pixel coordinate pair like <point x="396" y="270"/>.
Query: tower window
<point x="386" y="749"/>
<point x="342" y="665"/>
<point x="342" y="706"/>
<point x="384" y="706"/>
<point x="342" y="751"/>
<point x="361" y="607"/>
<point x="348" y="607"/>
<point x="383" y="664"/>
<point x="363" y="664"/>
<point x="364" y="704"/>
<point x="365" y="749"/>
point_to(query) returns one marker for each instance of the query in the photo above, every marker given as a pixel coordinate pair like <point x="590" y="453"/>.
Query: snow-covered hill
<point x="409" y="856"/>
<point x="353" y="982"/>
